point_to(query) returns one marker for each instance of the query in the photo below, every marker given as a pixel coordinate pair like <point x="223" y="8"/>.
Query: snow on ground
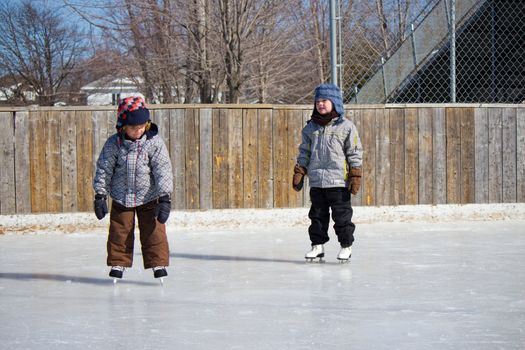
<point x="420" y="278"/>
<point x="224" y="218"/>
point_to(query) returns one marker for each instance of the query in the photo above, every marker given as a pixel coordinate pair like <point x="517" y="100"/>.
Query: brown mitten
<point x="355" y="180"/>
<point x="298" y="177"/>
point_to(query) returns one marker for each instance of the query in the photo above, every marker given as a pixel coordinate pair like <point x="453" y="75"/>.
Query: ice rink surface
<point x="413" y="285"/>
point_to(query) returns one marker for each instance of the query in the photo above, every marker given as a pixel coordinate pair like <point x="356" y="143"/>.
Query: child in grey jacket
<point x="134" y="168"/>
<point x="330" y="154"/>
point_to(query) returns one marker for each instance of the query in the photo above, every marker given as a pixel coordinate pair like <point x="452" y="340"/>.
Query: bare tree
<point x="238" y="20"/>
<point x="38" y="48"/>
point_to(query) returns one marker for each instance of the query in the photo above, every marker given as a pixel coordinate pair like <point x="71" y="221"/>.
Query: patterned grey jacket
<point x="134" y="172"/>
<point x="327" y="152"/>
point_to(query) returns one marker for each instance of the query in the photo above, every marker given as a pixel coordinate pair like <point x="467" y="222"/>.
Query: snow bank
<point x="228" y="218"/>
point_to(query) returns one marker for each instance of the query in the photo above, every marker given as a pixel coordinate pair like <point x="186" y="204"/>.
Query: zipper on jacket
<point x="323" y="147"/>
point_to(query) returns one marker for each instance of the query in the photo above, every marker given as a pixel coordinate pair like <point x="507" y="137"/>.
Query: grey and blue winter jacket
<point x="327" y="152"/>
<point x="136" y="172"/>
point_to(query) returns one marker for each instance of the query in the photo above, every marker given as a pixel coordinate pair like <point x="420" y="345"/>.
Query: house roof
<point x="112" y="84"/>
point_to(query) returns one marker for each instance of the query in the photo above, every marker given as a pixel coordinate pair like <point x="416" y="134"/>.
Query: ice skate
<point x="344" y="254"/>
<point x="116" y="272"/>
<point x="317" y="252"/>
<point x="160" y="272"/>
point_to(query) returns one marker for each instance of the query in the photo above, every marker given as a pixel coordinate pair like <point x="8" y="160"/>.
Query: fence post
<point x="414" y="59"/>
<point x="333" y="46"/>
<point x="452" y="28"/>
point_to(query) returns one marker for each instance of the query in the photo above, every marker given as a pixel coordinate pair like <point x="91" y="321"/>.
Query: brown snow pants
<point x="153" y="239"/>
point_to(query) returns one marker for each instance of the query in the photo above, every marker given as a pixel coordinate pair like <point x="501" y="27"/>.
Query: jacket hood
<point x="330" y="92"/>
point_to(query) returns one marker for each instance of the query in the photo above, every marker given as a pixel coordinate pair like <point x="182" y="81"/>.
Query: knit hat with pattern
<point x="330" y="92"/>
<point x="131" y="111"/>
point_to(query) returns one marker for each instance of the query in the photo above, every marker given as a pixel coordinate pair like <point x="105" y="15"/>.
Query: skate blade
<point x="115" y="280"/>
<point x="314" y="260"/>
<point x="161" y="280"/>
<point x="343" y="261"/>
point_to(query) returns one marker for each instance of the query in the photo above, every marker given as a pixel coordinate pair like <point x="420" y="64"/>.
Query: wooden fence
<point x="242" y="156"/>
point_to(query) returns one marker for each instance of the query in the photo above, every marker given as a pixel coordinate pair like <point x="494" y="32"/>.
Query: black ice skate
<point x="116" y="272"/>
<point x="160" y="272"/>
<point x="317" y="252"/>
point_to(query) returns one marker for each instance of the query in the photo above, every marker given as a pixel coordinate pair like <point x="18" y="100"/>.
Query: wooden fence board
<point x="68" y="150"/>
<point x="53" y="159"/>
<point x="220" y="159"/>
<point x="355" y="115"/>
<point x="7" y="161"/>
<point x="85" y="160"/>
<point x="520" y="155"/>
<point x="250" y="147"/>
<point x="439" y="157"/>
<point x="495" y="156"/>
<point x="508" y="123"/>
<point x="397" y="156"/>
<point x="453" y="125"/>
<point x="425" y="179"/>
<point x="37" y="156"/>
<point x="235" y="171"/>
<point x="265" y="165"/>
<point x="481" y="151"/>
<point x="22" y="163"/>
<point x="383" y="146"/>
<point x="411" y="152"/>
<point x="177" y="151"/>
<point x="368" y="140"/>
<point x="205" y="158"/>
<point x="279" y="158"/>
<point x="467" y="155"/>
<point x="191" y="128"/>
<point x="294" y="127"/>
<point x="161" y="117"/>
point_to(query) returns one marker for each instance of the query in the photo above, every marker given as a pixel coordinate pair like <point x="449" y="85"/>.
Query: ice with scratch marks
<point x="416" y="285"/>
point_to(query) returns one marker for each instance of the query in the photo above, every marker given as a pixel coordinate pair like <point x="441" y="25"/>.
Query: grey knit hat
<point x="330" y="92"/>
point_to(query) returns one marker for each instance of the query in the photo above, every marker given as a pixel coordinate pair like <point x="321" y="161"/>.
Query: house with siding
<point x="108" y="90"/>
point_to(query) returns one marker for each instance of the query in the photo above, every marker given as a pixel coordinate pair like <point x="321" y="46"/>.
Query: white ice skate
<point x="317" y="251"/>
<point x="344" y="254"/>
<point x="116" y="272"/>
<point x="160" y="272"/>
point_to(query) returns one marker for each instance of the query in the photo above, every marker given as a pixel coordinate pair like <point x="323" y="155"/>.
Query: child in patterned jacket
<point x="134" y="169"/>
<point x="330" y="154"/>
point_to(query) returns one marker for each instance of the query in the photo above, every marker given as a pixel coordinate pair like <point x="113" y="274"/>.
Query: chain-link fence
<point x="489" y="55"/>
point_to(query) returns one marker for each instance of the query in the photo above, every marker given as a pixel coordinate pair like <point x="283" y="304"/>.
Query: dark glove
<point x="298" y="177"/>
<point x="163" y="208"/>
<point x="355" y="180"/>
<point x="101" y="206"/>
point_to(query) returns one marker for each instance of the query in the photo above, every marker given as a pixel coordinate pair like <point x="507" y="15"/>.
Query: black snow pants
<point x="337" y="199"/>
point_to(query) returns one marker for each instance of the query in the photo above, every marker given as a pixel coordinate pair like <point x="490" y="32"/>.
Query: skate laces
<point x="118" y="268"/>
<point x="156" y="268"/>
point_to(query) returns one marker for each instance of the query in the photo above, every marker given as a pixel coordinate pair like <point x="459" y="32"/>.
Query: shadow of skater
<point x="66" y="278"/>
<point x="232" y="258"/>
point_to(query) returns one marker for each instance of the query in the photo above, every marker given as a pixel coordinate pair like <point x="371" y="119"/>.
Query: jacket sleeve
<point x="106" y="163"/>
<point x="161" y="167"/>
<point x="353" y="148"/>
<point x="305" y="151"/>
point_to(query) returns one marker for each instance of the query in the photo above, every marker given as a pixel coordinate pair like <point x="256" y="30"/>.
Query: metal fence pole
<point x="414" y="59"/>
<point x="339" y="48"/>
<point x="333" y="46"/>
<point x="453" y="51"/>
